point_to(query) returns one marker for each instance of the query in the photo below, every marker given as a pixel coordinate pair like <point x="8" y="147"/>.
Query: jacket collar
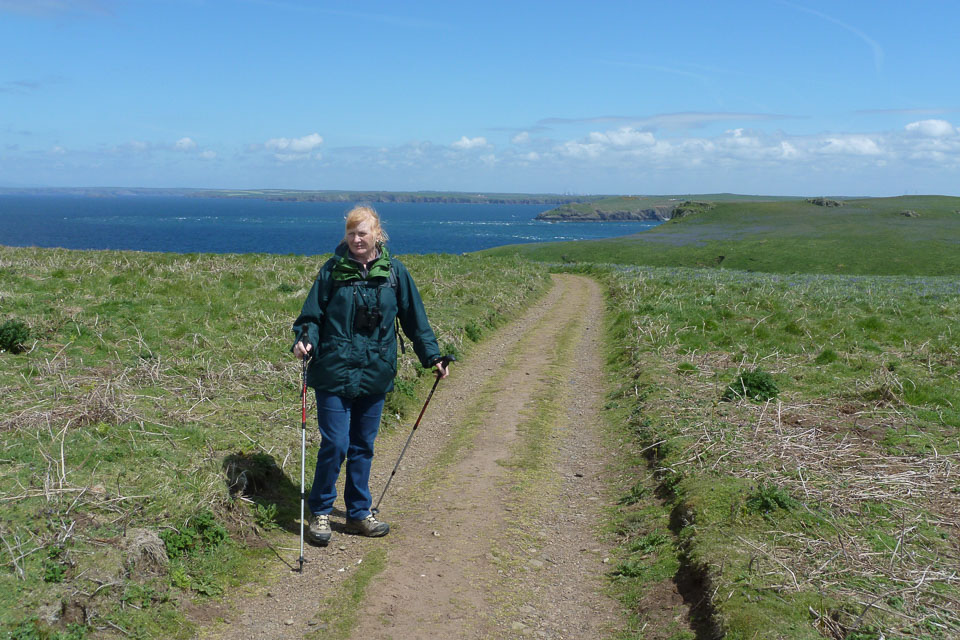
<point x="346" y="268"/>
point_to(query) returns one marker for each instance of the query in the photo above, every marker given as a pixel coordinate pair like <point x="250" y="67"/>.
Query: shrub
<point x="202" y="532"/>
<point x="266" y="516"/>
<point x="756" y="384"/>
<point x="473" y="332"/>
<point x="13" y="335"/>
<point x="687" y="368"/>
<point x="54" y="569"/>
<point x="769" y="498"/>
<point x="636" y="494"/>
<point x="826" y="356"/>
<point x="649" y="542"/>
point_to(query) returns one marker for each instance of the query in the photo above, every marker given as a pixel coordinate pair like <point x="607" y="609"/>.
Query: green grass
<point x="862" y="237"/>
<point x="824" y="510"/>
<point x="794" y="512"/>
<point x="148" y="383"/>
<point x="341" y="608"/>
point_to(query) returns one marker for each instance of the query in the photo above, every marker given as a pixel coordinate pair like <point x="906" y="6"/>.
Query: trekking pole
<point x="445" y="361"/>
<point x="303" y="449"/>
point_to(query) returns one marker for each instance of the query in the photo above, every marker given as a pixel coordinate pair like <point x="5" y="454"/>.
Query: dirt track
<point x="495" y="512"/>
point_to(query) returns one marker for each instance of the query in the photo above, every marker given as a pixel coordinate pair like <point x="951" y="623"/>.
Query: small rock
<point x="606" y="561"/>
<point x="536" y="564"/>
<point x="288" y="622"/>
<point x="518" y="626"/>
<point x="144" y="553"/>
<point x="312" y="623"/>
<point x="578" y="475"/>
<point x="436" y="534"/>
<point x="269" y="594"/>
<point x="527" y="609"/>
<point x="342" y="547"/>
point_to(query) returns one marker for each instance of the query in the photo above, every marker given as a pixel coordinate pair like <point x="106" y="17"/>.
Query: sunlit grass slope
<point x="826" y="507"/>
<point x="916" y="235"/>
<point x="148" y="387"/>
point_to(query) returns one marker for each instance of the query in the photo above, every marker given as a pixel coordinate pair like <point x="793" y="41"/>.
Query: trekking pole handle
<point x="445" y="362"/>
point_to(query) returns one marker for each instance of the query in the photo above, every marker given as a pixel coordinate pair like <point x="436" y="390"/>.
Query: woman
<point x="348" y="325"/>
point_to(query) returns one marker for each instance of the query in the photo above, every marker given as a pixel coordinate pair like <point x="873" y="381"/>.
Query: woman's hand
<point x="442" y="371"/>
<point x="302" y="349"/>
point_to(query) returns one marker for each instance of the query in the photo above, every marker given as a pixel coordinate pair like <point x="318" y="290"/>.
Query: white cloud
<point x="470" y="143"/>
<point x="623" y="137"/>
<point x="57" y="150"/>
<point x="185" y="144"/>
<point x="303" y="145"/>
<point x="788" y="151"/>
<point x="932" y="128"/>
<point x="521" y="138"/>
<point x="575" y="149"/>
<point x="738" y="138"/>
<point x="858" y="145"/>
<point x="208" y="155"/>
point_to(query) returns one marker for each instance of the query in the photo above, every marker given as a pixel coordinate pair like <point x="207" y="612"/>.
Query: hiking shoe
<point x="369" y="526"/>
<point x="319" y="532"/>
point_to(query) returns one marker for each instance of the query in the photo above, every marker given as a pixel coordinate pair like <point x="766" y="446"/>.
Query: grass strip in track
<point x="340" y="610"/>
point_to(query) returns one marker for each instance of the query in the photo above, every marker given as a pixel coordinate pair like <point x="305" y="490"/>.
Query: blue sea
<point x="220" y="225"/>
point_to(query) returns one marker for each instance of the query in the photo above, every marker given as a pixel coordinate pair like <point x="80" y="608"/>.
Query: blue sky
<point x="763" y="96"/>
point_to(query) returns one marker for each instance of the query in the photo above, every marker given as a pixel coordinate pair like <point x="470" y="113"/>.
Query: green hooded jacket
<point x="350" y="360"/>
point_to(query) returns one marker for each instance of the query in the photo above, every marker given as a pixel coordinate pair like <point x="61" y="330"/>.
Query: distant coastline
<point x="297" y="195"/>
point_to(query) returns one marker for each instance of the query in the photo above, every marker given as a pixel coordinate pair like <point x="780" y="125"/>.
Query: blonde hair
<point x="363" y="212"/>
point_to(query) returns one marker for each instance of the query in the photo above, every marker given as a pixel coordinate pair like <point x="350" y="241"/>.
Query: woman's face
<point x="361" y="240"/>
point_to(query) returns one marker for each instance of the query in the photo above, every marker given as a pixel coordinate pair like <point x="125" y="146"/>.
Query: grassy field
<point x="151" y="393"/>
<point x="786" y="385"/>
<point x="825" y="505"/>
<point x="870" y="236"/>
<point x="640" y="207"/>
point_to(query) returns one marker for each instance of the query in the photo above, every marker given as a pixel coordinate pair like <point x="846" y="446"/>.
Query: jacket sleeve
<point x="306" y="328"/>
<point x="413" y="318"/>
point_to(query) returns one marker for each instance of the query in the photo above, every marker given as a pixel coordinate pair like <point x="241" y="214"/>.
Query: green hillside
<point x="865" y="236"/>
<point x="639" y="207"/>
<point x="795" y="445"/>
<point x="138" y="388"/>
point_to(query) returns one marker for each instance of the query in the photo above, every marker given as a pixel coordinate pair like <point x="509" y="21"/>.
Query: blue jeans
<point x="348" y="427"/>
